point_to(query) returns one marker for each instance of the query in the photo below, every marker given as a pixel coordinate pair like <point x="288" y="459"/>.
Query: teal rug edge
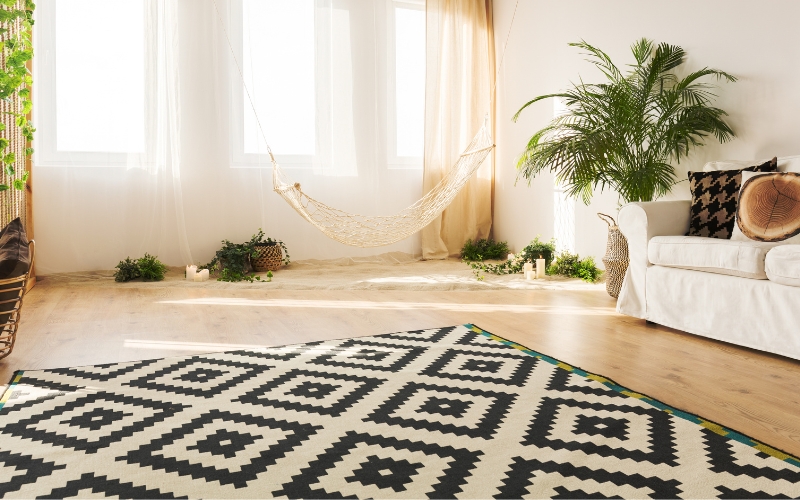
<point x="685" y="415"/>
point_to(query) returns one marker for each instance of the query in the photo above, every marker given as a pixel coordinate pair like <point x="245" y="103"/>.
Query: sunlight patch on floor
<point x="185" y="346"/>
<point x="400" y="306"/>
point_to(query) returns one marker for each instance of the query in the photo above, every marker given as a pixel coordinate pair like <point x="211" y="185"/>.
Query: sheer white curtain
<point x="188" y="167"/>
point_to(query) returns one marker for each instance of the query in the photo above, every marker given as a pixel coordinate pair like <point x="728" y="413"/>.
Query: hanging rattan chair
<point x="12" y="291"/>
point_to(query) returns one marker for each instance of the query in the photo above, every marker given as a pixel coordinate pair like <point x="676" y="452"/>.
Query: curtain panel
<point x="330" y="81"/>
<point x="459" y="83"/>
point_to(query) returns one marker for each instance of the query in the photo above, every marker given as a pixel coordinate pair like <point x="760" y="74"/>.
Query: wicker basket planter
<point x="616" y="258"/>
<point x="270" y="258"/>
<point x="12" y="291"/>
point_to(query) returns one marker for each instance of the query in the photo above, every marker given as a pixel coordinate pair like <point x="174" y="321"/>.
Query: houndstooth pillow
<point x="714" y="198"/>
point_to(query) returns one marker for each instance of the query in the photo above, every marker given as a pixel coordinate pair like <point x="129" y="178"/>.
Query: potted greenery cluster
<point x="626" y="132"/>
<point x="564" y="264"/>
<point x="234" y="261"/>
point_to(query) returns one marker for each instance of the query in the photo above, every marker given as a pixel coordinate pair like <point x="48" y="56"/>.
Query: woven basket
<point x="12" y="291"/>
<point x="270" y="258"/>
<point x="616" y="258"/>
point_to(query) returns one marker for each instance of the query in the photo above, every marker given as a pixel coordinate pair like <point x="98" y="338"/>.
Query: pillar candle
<point x="540" y="265"/>
<point x="204" y="275"/>
<point x="530" y="275"/>
<point x="198" y="276"/>
<point x="190" y="272"/>
<point x="528" y="266"/>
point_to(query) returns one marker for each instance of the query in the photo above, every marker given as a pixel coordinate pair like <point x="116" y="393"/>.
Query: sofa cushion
<point x="787" y="207"/>
<point x="782" y="265"/>
<point x="785" y="164"/>
<point x="714" y="197"/>
<point x="736" y="258"/>
<point x="15" y="260"/>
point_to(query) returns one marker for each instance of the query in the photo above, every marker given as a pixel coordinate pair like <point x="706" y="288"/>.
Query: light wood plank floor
<point x="752" y="392"/>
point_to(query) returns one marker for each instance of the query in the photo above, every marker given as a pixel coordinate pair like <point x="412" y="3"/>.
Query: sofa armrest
<point x="640" y="222"/>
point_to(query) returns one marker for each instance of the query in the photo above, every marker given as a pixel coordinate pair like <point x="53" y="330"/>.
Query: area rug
<point x="440" y="413"/>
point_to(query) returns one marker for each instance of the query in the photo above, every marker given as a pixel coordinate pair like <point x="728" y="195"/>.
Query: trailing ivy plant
<point x="535" y="250"/>
<point x="15" y="78"/>
<point x="232" y="261"/>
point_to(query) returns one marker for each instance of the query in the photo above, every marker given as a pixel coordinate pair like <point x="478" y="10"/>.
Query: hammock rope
<point x="378" y="230"/>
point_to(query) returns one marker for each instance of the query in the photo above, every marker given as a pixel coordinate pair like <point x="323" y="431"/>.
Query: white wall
<point x="755" y="41"/>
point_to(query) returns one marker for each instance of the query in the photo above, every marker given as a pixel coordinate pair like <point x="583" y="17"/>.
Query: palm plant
<point x="624" y="133"/>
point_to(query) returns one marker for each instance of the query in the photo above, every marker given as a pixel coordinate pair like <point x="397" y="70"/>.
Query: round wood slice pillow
<point x="769" y="206"/>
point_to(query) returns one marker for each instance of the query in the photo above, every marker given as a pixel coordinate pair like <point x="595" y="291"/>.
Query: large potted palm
<point x="625" y="133"/>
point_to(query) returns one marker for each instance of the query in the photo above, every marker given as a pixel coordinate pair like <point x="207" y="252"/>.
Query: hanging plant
<point x="16" y="81"/>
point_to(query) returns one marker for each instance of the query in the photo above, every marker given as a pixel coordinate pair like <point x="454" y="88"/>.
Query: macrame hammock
<point x="379" y="230"/>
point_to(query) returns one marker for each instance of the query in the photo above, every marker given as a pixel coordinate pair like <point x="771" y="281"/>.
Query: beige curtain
<point x="459" y="81"/>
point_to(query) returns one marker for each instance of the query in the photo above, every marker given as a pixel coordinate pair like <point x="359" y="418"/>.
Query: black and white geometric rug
<point x="442" y="413"/>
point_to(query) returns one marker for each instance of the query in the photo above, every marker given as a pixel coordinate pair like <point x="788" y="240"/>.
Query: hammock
<point x="374" y="231"/>
<point x="379" y="230"/>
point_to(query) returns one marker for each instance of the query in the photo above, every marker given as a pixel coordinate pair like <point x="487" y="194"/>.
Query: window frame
<point x="396" y="162"/>
<point x="45" y="111"/>
<point x="238" y="100"/>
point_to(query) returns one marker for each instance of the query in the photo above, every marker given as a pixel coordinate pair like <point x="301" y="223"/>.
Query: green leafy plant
<point x="624" y="133"/>
<point x="232" y="261"/>
<point x="149" y="268"/>
<point x="572" y="266"/>
<point x="15" y="78"/>
<point x="535" y="250"/>
<point x="127" y="270"/>
<point x="484" y="249"/>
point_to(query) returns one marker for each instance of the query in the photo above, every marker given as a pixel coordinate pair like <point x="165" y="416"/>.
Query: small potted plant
<point x="269" y="254"/>
<point x="236" y="261"/>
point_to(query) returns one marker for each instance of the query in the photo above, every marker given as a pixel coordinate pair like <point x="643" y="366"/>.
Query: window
<point x="101" y="119"/>
<point x="326" y="77"/>
<point x="278" y="69"/>
<point x="409" y="82"/>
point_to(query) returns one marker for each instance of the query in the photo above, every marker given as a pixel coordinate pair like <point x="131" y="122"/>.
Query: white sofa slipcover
<point x="713" y="255"/>
<point x="757" y="313"/>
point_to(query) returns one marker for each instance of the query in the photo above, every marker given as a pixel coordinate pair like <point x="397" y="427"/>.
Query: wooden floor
<point x="749" y="391"/>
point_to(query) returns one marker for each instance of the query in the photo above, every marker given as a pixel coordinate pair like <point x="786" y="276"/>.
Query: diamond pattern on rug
<point x="313" y="391"/>
<point x="481" y="366"/>
<point x="368" y="466"/>
<point x="103" y="372"/>
<point x="358" y="353"/>
<point x="464" y="412"/>
<point x="439" y="413"/>
<point x="199" y="377"/>
<point x="220" y="446"/>
<point x="89" y="422"/>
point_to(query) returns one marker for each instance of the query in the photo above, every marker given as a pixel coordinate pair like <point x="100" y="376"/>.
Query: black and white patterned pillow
<point x="714" y="199"/>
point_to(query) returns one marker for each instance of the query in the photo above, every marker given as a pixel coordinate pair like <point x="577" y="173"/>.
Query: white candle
<point x="190" y="272"/>
<point x="540" y="268"/>
<point x="511" y="256"/>
<point x="530" y="275"/>
<point x="528" y="266"/>
<point x="204" y="275"/>
<point x="198" y="276"/>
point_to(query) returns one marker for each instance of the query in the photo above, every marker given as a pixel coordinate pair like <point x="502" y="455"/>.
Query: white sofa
<point x="742" y="292"/>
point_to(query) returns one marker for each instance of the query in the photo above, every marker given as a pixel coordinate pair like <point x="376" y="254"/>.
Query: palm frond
<point x="624" y="133"/>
